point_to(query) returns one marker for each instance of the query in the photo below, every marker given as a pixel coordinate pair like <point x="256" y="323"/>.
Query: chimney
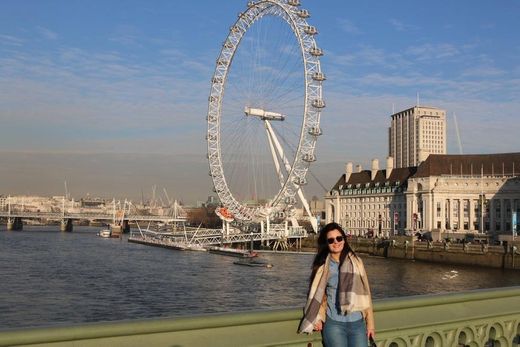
<point x="375" y="168"/>
<point x="359" y="168"/>
<point x="348" y="171"/>
<point x="389" y="166"/>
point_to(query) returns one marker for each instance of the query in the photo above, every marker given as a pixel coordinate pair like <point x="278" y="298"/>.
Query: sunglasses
<point x="331" y="240"/>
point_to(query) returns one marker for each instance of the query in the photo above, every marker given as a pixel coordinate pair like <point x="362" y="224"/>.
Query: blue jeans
<point x="345" y="334"/>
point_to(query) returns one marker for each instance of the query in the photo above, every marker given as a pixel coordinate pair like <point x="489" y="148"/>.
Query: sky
<point x="111" y="96"/>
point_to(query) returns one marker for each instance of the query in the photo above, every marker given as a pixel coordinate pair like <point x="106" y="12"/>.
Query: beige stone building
<point x="452" y="194"/>
<point x="465" y="193"/>
<point x="370" y="200"/>
<point x="416" y="133"/>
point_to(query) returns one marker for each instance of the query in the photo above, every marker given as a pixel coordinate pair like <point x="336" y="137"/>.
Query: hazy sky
<point x="112" y="96"/>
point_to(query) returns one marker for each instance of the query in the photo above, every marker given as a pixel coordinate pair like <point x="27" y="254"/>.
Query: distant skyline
<point x="113" y="98"/>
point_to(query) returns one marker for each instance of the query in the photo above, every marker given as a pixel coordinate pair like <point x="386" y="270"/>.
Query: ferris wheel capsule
<point x="290" y="200"/>
<point x="300" y="181"/>
<point x="303" y="13"/>
<point x="309" y="157"/>
<point x="310" y="30"/>
<point x="315" y="131"/>
<point x="315" y="51"/>
<point x="281" y="215"/>
<point x="318" y="103"/>
<point x="318" y="76"/>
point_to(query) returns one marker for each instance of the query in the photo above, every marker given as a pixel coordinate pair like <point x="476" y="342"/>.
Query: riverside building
<point x="424" y="189"/>
<point x="449" y="194"/>
<point x="416" y="133"/>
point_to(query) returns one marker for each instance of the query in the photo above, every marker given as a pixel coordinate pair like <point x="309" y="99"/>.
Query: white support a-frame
<point x="278" y="154"/>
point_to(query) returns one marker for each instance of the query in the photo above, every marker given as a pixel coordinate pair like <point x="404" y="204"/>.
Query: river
<point x="49" y="277"/>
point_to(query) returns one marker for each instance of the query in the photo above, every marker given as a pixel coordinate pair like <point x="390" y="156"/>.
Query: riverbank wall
<point x="404" y="247"/>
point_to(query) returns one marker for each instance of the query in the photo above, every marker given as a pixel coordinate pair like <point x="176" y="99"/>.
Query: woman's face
<point x="335" y="241"/>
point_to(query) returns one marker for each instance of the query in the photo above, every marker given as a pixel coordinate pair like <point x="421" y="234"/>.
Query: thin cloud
<point x="400" y="26"/>
<point x="431" y="51"/>
<point x="11" y="40"/>
<point x="47" y="33"/>
<point x="349" y="27"/>
<point x="366" y="55"/>
<point x="127" y="35"/>
<point x="483" y="72"/>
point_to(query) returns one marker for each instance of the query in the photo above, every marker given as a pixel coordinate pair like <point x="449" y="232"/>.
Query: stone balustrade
<point x="482" y="318"/>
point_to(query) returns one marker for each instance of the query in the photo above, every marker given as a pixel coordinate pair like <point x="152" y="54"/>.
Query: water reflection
<point x="50" y="277"/>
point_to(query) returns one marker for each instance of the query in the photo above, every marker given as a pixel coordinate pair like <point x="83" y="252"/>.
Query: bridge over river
<point x="14" y="218"/>
<point x="478" y="318"/>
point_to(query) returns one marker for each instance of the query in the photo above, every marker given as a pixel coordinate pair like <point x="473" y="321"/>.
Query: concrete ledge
<point x="473" y="318"/>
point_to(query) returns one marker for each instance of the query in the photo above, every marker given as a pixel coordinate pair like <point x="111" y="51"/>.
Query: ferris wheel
<point x="264" y="110"/>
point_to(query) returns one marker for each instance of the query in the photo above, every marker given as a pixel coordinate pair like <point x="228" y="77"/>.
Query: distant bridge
<point x="14" y="218"/>
<point x="89" y="216"/>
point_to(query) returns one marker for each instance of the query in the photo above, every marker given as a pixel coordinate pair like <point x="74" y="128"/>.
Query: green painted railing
<point x="482" y="318"/>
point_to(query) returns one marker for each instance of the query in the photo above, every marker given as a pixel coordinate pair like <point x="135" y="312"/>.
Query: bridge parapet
<point x="478" y="319"/>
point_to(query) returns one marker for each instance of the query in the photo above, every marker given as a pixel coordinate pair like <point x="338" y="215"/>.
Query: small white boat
<point x="232" y="252"/>
<point x="106" y="233"/>
<point x="254" y="262"/>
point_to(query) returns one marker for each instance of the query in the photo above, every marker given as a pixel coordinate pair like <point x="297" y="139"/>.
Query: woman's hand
<point x="318" y="326"/>
<point x="371" y="334"/>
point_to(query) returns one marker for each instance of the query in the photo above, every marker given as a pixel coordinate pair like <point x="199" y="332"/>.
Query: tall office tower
<point x="416" y="133"/>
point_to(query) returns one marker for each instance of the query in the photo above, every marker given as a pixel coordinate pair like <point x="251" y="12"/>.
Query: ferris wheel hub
<point x="263" y="114"/>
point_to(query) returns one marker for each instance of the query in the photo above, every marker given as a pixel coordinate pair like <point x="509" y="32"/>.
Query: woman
<point x="339" y="302"/>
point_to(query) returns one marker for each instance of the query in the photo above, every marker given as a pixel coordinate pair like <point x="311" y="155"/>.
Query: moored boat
<point x="106" y="233"/>
<point x="232" y="252"/>
<point x="253" y="262"/>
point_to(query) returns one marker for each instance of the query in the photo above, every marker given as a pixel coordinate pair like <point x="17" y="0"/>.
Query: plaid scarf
<point x="353" y="291"/>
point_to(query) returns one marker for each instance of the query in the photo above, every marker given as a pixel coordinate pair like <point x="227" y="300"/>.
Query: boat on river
<point x="232" y="252"/>
<point x="106" y="233"/>
<point x="253" y="262"/>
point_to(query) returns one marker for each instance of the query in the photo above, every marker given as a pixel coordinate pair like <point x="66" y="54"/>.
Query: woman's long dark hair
<point x="323" y="247"/>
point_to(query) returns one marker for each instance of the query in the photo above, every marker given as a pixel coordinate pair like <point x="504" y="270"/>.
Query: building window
<point x="438" y="209"/>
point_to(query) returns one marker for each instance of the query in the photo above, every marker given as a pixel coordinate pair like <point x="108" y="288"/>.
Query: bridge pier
<point x="14" y="223"/>
<point x="66" y="225"/>
<point x="126" y="226"/>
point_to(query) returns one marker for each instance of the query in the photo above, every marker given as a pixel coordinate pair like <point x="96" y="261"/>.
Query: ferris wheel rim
<point x="313" y="103"/>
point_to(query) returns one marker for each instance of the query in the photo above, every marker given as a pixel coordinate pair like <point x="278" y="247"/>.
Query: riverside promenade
<point x="476" y="318"/>
<point x="405" y="247"/>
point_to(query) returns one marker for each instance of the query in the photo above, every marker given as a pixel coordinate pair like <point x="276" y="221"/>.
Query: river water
<point x="48" y="277"/>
